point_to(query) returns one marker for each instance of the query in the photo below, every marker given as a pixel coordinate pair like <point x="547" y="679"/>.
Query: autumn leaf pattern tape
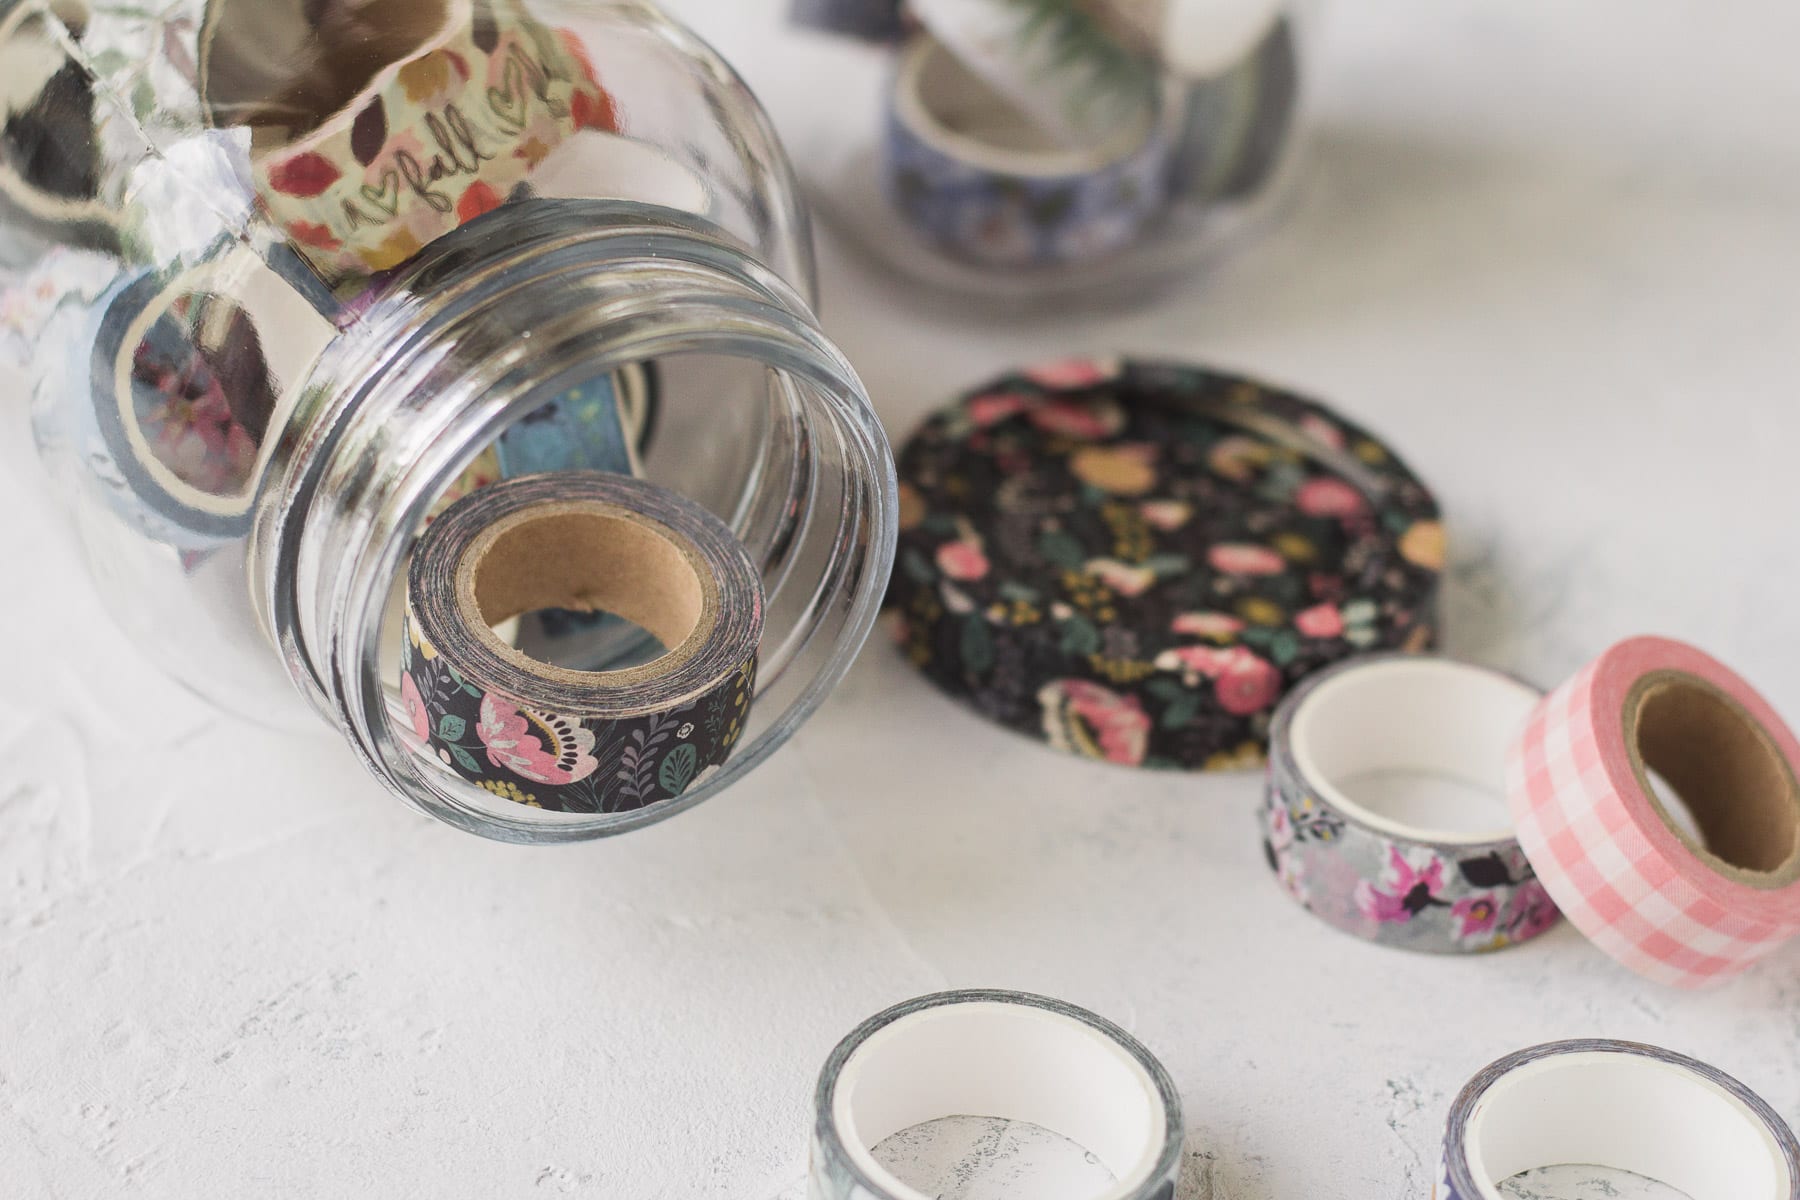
<point x="1134" y="561"/>
<point x="580" y="741"/>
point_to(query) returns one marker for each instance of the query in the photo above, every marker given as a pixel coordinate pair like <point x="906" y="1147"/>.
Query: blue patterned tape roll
<point x="997" y="1054"/>
<point x="1371" y="722"/>
<point x="1621" y="1105"/>
<point x="983" y="182"/>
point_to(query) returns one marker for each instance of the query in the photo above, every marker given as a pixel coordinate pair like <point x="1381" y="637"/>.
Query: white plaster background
<point x="1550" y="250"/>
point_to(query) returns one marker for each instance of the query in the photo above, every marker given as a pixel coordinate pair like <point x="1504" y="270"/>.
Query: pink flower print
<point x="1320" y="621"/>
<point x="995" y="407"/>
<point x="1406" y="890"/>
<point x="1072" y="373"/>
<point x="1166" y="515"/>
<point x="1237" y="457"/>
<point x="1326" y="497"/>
<point x="1122" y="578"/>
<point x="1217" y="626"/>
<point x="1476" y="916"/>
<point x="1245" y="558"/>
<point x="1320" y="430"/>
<point x="1536" y="910"/>
<point x="414" y="703"/>
<point x="1281" y="828"/>
<point x="1193" y="662"/>
<point x="1248" y="684"/>
<point x="537" y="746"/>
<point x="1083" y="420"/>
<point x="962" y="561"/>
<point x="1085" y="718"/>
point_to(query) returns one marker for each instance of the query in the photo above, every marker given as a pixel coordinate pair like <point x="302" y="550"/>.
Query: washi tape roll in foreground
<point x="1134" y="561"/>
<point x="1674" y="907"/>
<point x="980" y="179"/>
<point x="1621" y="1105"/>
<point x="580" y="741"/>
<point x="1386" y="809"/>
<point x="871" y="20"/>
<point x="994" y="1054"/>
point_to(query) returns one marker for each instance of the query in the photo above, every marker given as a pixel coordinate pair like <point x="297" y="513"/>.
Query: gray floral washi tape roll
<point x="1385" y="813"/>
<point x="561" y="739"/>
<point x="978" y="178"/>
<point x="1621" y="1105"/>
<point x="1007" y="1055"/>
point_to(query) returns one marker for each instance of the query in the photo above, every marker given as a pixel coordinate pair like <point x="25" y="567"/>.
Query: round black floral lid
<point x="1133" y="561"/>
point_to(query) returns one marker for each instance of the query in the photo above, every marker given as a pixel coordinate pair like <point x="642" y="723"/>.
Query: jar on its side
<point x="290" y="276"/>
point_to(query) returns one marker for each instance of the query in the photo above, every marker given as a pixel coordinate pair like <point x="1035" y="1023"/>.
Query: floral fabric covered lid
<point x="1135" y="561"/>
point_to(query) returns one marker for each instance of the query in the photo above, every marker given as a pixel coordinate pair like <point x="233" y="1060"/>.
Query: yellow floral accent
<point x="1423" y="545"/>
<point x="506" y="789"/>
<point x="1132" y="541"/>
<point x="1259" y="611"/>
<point x="912" y="507"/>
<point x="1247" y="757"/>
<point x="1119" y="470"/>
<point x="425" y="78"/>
<point x="1371" y="452"/>
<point x="1014" y="612"/>
<point x="532" y="152"/>
<point x="1418" y="641"/>
<point x="1090" y="594"/>
<point x="1121" y="670"/>
<point x="395" y="249"/>
<point x="1296" y="547"/>
<point x="425" y="648"/>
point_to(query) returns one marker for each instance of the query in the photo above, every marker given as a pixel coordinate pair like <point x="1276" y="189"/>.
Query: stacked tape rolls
<point x="1006" y="1055"/>
<point x="1621" y="1105"/>
<point x="1135" y="561"/>
<point x="1386" y="811"/>
<point x="1685" y="908"/>
<point x="580" y="741"/>
<point x="981" y="179"/>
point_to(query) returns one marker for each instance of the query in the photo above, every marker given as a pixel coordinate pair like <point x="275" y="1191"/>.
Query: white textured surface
<point x="1549" y="250"/>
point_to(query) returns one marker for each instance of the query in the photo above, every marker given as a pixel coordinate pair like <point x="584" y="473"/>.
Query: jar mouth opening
<point x="433" y="375"/>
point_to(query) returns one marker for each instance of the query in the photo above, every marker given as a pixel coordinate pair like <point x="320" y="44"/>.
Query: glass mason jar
<point x="1044" y="152"/>
<point x="289" y="275"/>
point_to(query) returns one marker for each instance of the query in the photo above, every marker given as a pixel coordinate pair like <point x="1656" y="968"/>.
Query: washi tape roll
<point x="996" y="1054"/>
<point x="1134" y="561"/>
<point x="871" y="20"/>
<point x="1675" y="907"/>
<point x="1238" y="126"/>
<point x="1621" y="1105"/>
<point x="422" y="119"/>
<point x="980" y="179"/>
<point x="580" y="741"/>
<point x="1386" y="807"/>
<point x="1196" y="39"/>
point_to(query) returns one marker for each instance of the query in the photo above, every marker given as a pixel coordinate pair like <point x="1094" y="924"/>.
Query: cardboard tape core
<point x="588" y="558"/>
<point x="1736" y="784"/>
<point x="1629" y="1111"/>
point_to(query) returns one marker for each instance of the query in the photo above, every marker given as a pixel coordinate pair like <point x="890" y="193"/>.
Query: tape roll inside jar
<point x="1622" y="1105"/>
<point x="997" y="1054"/>
<point x="580" y="741"/>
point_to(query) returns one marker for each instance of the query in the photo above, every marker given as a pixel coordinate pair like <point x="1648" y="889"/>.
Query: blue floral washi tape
<point x="580" y="741"/>
<point x="982" y="181"/>
<point x="1621" y="1105"/>
<point x="871" y="20"/>
<point x="1385" y="814"/>
<point x="1007" y="1055"/>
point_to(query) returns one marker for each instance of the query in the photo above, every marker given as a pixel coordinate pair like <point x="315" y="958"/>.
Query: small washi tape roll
<point x="871" y="20"/>
<point x="996" y="1054"/>
<point x="1621" y="1105"/>
<point x="979" y="178"/>
<point x="580" y="741"/>
<point x="1386" y="811"/>
<point x="1675" y="906"/>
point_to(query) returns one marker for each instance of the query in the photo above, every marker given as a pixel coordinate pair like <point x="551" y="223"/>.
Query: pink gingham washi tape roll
<point x="1684" y="908"/>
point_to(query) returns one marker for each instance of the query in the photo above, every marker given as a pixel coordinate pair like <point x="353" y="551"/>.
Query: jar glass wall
<point x="290" y="276"/>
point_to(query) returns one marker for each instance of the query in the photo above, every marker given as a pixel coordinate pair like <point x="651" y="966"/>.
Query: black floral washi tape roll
<point x="1006" y="1055"/>
<point x="1621" y="1105"/>
<point x="1386" y="810"/>
<point x="581" y="741"/>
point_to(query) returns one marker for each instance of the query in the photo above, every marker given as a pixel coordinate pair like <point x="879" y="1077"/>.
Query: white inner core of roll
<point x="1625" y="1111"/>
<point x="989" y="1059"/>
<point x="953" y="109"/>
<point x="1414" y="748"/>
